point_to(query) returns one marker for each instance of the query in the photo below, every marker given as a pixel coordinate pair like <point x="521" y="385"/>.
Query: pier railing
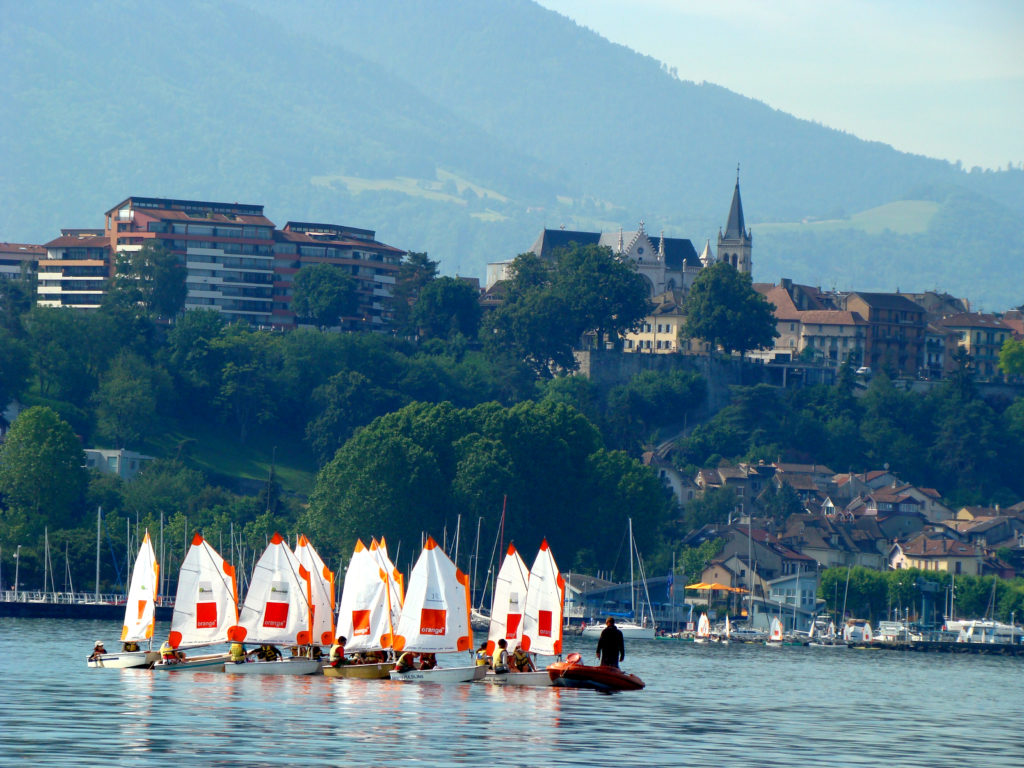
<point x="68" y="598"/>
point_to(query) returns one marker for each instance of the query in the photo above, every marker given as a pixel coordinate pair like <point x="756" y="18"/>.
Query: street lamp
<point x="17" y="566"/>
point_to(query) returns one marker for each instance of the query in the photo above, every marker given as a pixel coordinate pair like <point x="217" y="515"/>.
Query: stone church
<point x="669" y="265"/>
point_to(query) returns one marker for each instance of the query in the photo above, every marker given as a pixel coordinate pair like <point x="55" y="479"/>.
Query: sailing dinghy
<point x="139" y="614"/>
<point x="205" y="605"/>
<point x="775" y="636"/>
<point x="703" y="630"/>
<point x="542" y="619"/>
<point x="435" y="618"/>
<point x="278" y="610"/>
<point x="507" y="606"/>
<point x="371" y="604"/>
<point x="321" y="580"/>
<point x="726" y="638"/>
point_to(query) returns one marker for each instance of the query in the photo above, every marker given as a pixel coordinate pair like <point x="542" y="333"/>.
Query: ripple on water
<point x="703" y="705"/>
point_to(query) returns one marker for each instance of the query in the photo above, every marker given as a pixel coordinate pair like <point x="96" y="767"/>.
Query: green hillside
<point x="457" y="129"/>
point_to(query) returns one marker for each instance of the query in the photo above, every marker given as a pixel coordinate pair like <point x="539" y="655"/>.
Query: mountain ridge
<point x="315" y="109"/>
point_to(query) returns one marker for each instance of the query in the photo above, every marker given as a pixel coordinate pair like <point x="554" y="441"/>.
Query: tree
<point x="445" y="307"/>
<point x="127" y="399"/>
<point x="348" y="400"/>
<point x="724" y="310"/>
<point x="42" y="471"/>
<point x="323" y="293"/>
<point x="14" y="367"/>
<point x="414" y="273"/>
<point x="606" y="295"/>
<point x="1011" y="357"/>
<point x="152" y="276"/>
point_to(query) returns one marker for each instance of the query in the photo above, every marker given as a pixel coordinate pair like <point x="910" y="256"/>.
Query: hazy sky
<point x="943" y="78"/>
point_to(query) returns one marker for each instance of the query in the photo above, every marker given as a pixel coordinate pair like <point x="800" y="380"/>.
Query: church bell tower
<point x="735" y="245"/>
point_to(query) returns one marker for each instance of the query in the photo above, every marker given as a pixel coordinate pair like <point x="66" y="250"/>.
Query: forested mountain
<point x="460" y="129"/>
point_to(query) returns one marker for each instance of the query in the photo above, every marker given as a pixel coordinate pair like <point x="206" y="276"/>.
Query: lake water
<point x="737" y="705"/>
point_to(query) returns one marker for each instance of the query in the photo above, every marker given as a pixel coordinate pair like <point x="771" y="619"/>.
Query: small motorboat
<point x="571" y="673"/>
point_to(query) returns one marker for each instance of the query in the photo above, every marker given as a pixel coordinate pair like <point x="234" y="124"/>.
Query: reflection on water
<point x="732" y="705"/>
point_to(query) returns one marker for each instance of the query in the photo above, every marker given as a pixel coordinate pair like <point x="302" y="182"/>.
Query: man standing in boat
<point x="611" y="648"/>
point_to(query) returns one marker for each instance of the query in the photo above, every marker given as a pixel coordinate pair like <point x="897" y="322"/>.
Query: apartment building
<point x="227" y="249"/>
<point x="981" y="336"/>
<point x="74" y="271"/>
<point x="18" y="259"/>
<point x="371" y="264"/>
<point x="895" y="338"/>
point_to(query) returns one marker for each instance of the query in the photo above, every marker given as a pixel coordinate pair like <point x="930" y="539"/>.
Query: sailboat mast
<point x="632" y="587"/>
<point x="46" y="558"/>
<point x="99" y="517"/>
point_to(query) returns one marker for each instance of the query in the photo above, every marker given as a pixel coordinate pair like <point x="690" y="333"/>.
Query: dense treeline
<point x="200" y="391"/>
<point x="968" y="448"/>
<point x="876" y="595"/>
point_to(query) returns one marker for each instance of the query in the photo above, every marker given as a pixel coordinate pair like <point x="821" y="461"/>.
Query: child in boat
<point x="97" y="650"/>
<point x="521" y="661"/>
<point x="337" y="655"/>
<point x="268" y="652"/>
<point x="499" y="660"/>
<point x="406" y="662"/>
<point x="130" y="647"/>
<point x="428" y="661"/>
<point x="482" y="659"/>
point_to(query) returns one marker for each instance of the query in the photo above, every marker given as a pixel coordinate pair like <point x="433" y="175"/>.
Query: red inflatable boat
<point x="572" y="674"/>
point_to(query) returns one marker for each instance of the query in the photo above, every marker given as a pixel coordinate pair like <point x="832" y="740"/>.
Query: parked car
<point x="864" y="371"/>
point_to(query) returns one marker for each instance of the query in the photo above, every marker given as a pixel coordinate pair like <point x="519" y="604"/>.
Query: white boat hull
<point x="440" y="675"/>
<point x="541" y="678"/>
<point x="288" y="666"/>
<point x="123" y="660"/>
<point x="196" y="664"/>
<point x="629" y="631"/>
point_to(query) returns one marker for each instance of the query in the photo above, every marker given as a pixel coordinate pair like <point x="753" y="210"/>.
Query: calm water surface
<point x="703" y="705"/>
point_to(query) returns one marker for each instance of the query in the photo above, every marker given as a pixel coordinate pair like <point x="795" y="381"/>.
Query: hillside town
<point x="240" y="264"/>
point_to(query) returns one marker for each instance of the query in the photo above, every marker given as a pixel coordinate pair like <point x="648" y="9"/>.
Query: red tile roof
<point x="974" y="320"/>
<point x="831" y="317"/>
<point x="922" y="546"/>
<point x="73" y="241"/>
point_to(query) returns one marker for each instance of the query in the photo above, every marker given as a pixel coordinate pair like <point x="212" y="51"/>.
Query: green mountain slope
<point x="461" y="129"/>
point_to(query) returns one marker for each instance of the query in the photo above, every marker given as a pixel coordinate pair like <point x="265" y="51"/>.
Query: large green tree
<point x="42" y="473"/>
<point x="724" y="310"/>
<point x="414" y="273"/>
<point x="445" y="307"/>
<point x="551" y="305"/>
<point x="323" y="293"/>
<point x="128" y="398"/>
<point x="14" y="367"/>
<point x="153" y="277"/>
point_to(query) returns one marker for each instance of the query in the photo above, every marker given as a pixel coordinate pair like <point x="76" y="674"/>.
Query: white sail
<point x="364" y="613"/>
<point x="728" y="627"/>
<point x="775" y="635"/>
<point x="322" y="584"/>
<point x="545" y="601"/>
<point x="206" y="602"/>
<point x="509" y="602"/>
<point x="435" y="617"/>
<point x="703" y="626"/>
<point x="278" y="607"/>
<point x="140" y="607"/>
<point x="396" y="582"/>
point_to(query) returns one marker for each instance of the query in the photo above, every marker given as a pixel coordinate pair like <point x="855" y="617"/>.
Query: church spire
<point x="735" y="228"/>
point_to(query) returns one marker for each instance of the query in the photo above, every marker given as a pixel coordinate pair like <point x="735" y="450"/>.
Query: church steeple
<point x="735" y="227"/>
<point x="735" y="245"/>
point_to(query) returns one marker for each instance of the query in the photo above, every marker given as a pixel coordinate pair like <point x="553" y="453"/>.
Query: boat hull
<point x="294" y="665"/>
<point x="629" y="631"/>
<point x="361" y="671"/>
<point x="534" y="679"/>
<point x="566" y="674"/>
<point x="195" y="664"/>
<point x="124" y="660"/>
<point x="440" y="675"/>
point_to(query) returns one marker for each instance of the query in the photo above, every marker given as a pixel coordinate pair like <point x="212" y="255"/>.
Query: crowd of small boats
<point x="380" y="627"/>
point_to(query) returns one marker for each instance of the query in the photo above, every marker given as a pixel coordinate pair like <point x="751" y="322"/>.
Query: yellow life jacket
<point x="237" y="652"/>
<point x="337" y="652"/>
<point x="520" y="659"/>
<point x="167" y="651"/>
<point x="499" y="660"/>
<point x="481" y="658"/>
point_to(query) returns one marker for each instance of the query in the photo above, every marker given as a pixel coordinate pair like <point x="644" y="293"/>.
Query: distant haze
<point x="942" y="78"/>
